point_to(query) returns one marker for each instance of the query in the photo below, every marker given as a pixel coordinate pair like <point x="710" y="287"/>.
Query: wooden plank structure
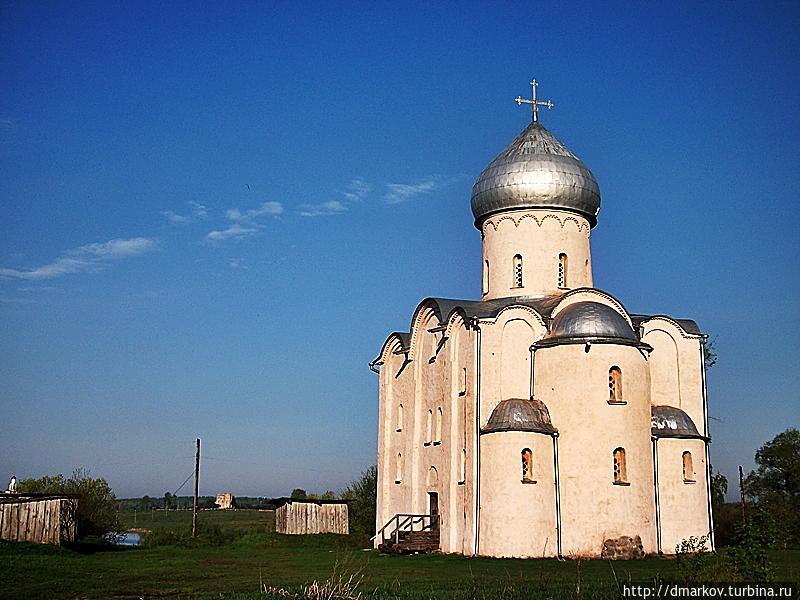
<point x="39" y="519"/>
<point x="304" y="517"/>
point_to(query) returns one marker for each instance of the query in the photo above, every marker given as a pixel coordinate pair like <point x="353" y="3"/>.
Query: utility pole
<point x="196" y="487"/>
<point x="741" y="495"/>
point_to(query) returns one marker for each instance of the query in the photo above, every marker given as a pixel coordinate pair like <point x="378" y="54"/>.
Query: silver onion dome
<point x="669" y="421"/>
<point x="589" y="321"/>
<point x="536" y="171"/>
<point x="519" y="414"/>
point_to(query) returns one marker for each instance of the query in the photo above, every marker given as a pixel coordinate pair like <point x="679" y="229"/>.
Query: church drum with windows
<point x="544" y="419"/>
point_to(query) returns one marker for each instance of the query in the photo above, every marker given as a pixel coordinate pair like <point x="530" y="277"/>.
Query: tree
<point x="170" y="501"/>
<point x="299" y="494"/>
<point x="146" y="503"/>
<point x="710" y="352"/>
<point x="775" y="484"/>
<point x="719" y="487"/>
<point x="363" y="497"/>
<point x="96" y="513"/>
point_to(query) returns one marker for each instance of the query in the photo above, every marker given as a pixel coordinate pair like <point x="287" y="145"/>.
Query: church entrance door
<point x="434" y="509"/>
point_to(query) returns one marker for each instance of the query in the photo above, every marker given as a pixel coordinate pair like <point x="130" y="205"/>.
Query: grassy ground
<point x="235" y="570"/>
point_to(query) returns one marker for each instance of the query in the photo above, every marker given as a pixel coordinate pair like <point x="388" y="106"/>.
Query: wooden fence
<point x="299" y="517"/>
<point x="42" y="520"/>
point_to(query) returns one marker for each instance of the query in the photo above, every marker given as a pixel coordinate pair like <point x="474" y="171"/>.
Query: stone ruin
<point x="225" y="501"/>
<point x="623" y="548"/>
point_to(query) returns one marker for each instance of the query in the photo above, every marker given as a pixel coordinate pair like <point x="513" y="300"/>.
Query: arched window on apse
<point x="399" y="417"/>
<point x="614" y="384"/>
<point x="527" y="465"/>
<point x="398" y="473"/>
<point x="518" y="271"/>
<point x="688" y="467"/>
<point x="429" y="429"/>
<point x="562" y="270"/>
<point x="620" y="469"/>
<point x="438" y="439"/>
<point x="486" y="277"/>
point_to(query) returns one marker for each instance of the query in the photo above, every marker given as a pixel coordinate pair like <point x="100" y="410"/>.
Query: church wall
<point x="683" y="505"/>
<point x="396" y="387"/>
<point x="439" y="376"/>
<point x="538" y="236"/>
<point x="459" y="442"/>
<point x="574" y="386"/>
<point x="517" y="519"/>
<point x="676" y="369"/>
<point x="505" y="357"/>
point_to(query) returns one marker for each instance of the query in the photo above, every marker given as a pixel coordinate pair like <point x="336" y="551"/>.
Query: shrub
<point x="363" y="497"/>
<point x="96" y="502"/>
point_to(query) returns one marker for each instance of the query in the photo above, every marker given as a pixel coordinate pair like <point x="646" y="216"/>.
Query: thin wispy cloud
<point x="332" y="207"/>
<point x="235" y="231"/>
<point x="88" y="258"/>
<point x="403" y="192"/>
<point x="265" y="209"/>
<point x="198" y="213"/>
<point x="357" y="190"/>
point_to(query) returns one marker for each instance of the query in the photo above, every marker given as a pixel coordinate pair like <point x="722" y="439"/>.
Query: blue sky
<point x="213" y="216"/>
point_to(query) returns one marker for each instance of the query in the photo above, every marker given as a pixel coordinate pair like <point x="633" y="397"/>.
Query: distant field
<point x="235" y="570"/>
<point x="251" y="519"/>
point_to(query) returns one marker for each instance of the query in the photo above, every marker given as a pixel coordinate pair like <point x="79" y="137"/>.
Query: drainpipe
<point x="558" y="492"/>
<point x="373" y="368"/>
<point x="477" y="329"/>
<point x="658" y="500"/>
<point x="706" y="442"/>
<point x="533" y="356"/>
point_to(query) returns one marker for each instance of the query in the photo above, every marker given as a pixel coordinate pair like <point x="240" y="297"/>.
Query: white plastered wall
<point x="505" y="356"/>
<point x="433" y="379"/>
<point x="573" y="384"/>
<point x="517" y="519"/>
<point x="675" y="368"/>
<point x="683" y="504"/>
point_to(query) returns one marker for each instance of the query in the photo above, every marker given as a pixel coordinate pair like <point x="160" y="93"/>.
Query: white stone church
<point x="543" y="419"/>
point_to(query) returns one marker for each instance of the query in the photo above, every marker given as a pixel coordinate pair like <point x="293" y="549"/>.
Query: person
<point x="12" y="485"/>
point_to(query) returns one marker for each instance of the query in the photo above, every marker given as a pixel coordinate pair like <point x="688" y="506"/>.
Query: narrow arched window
<point x="463" y="474"/>
<point x="399" y="417"/>
<point x="620" y="469"/>
<point x="439" y="416"/>
<point x="518" y="271"/>
<point x="614" y="384"/>
<point x="688" y="467"/>
<point x="398" y="474"/>
<point x="486" y="277"/>
<point x="562" y="270"/>
<point x="429" y="429"/>
<point x="527" y="465"/>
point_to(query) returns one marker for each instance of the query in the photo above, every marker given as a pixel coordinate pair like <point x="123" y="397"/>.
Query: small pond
<point x="128" y="538"/>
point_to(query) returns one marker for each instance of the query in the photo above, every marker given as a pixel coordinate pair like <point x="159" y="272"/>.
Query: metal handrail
<point x="405" y="522"/>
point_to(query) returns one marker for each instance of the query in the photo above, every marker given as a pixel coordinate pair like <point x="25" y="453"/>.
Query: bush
<point x="96" y="515"/>
<point x="363" y="497"/>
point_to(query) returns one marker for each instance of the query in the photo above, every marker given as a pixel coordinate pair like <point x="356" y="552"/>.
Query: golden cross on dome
<point x="535" y="104"/>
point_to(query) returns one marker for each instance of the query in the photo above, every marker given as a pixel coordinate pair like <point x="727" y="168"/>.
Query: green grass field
<point x="236" y="570"/>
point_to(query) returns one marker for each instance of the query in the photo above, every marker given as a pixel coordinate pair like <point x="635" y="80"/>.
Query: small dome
<point x="589" y="320"/>
<point x="518" y="414"/>
<point x="668" y="421"/>
<point x="536" y="171"/>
